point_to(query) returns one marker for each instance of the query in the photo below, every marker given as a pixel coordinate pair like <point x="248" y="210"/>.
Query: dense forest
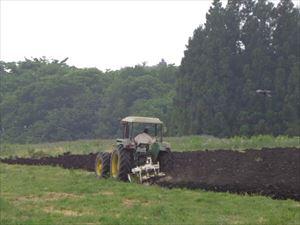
<point x="243" y="47"/>
<point x="47" y="100"/>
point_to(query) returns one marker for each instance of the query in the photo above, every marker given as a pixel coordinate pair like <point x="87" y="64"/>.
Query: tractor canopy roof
<point x="140" y="119"/>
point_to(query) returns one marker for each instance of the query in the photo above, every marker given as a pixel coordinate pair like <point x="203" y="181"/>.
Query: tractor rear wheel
<point x="102" y="164"/>
<point x="165" y="160"/>
<point x="121" y="164"/>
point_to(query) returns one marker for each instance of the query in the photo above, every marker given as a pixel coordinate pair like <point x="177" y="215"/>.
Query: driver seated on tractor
<point x="144" y="138"/>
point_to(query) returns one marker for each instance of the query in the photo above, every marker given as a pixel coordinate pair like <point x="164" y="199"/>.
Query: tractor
<point x="136" y="157"/>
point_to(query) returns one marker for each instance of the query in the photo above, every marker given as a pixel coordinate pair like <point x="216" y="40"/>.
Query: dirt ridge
<point x="272" y="172"/>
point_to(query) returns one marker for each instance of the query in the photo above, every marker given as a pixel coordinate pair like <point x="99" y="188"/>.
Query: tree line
<point x="240" y="75"/>
<point x="47" y="100"/>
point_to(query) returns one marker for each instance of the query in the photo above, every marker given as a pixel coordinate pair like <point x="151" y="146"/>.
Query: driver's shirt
<point x="144" y="138"/>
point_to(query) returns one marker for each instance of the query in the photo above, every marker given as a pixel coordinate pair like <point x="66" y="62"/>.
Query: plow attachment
<point x="142" y="174"/>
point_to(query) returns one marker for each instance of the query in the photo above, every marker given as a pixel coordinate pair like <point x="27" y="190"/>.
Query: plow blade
<point x="142" y="174"/>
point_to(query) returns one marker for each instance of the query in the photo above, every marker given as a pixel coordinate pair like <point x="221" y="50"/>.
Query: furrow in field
<point x="270" y="172"/>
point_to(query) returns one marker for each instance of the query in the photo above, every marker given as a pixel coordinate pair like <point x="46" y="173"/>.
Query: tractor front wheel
<point x="102" y="164"/>
<point x="121" y="164"/>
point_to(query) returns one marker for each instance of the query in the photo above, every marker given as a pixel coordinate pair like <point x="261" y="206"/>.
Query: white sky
<point x="102" y="34"/>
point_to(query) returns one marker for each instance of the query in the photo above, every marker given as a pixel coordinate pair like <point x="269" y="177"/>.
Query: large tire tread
<point x="105" y="158"/>
<point x="125" y="164"/>
<point x="165" y="160"/>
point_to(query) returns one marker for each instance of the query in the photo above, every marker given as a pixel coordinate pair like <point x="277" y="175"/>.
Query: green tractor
<point x="137" y="156"/>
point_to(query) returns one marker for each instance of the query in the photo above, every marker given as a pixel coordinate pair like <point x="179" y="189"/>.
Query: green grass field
<point x="49" y="195"/>
<point x="52" y="195"/>
<point x="186" y="143"/>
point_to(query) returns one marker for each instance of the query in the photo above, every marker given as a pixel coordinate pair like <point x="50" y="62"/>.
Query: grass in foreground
<point x="49" y="195"/>
<point x="186" y="143"/>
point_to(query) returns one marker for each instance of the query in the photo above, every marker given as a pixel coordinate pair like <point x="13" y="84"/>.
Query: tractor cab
<point x="144" y="135"/>
<point x="133" y="124"/>
<point x="141" y="131"/>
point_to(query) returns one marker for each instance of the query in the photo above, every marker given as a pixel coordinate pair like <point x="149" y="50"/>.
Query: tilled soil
<point x="67" y="161"/>
<point x="271" y="172"/>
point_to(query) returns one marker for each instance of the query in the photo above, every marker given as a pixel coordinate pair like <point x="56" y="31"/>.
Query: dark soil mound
<point x="271" y="172"/>
<point x="66" y="161"/>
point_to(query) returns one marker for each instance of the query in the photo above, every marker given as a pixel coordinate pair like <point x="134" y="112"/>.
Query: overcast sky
<point x="102" y="34"/>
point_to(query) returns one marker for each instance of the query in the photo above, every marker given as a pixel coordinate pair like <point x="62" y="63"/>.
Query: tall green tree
<point x="242" y="48"/>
